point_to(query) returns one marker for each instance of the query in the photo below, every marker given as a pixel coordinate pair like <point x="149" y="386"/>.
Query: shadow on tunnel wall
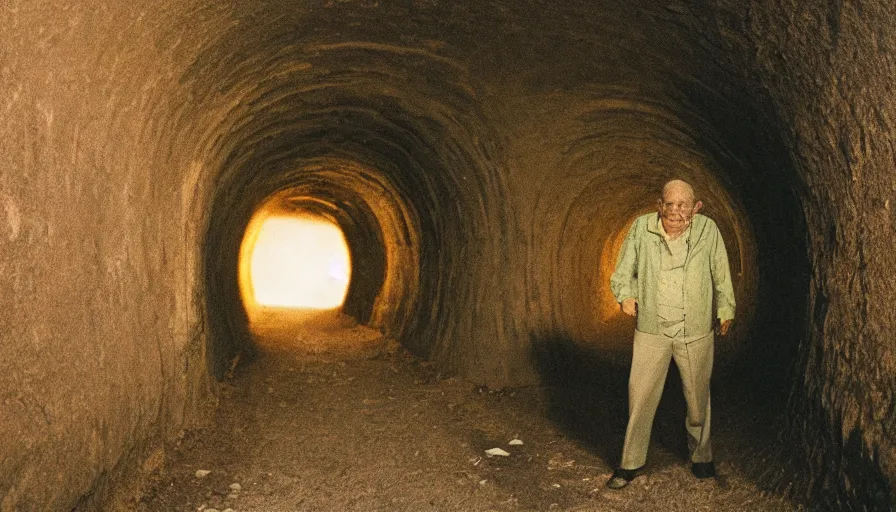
<point x="227" y="320"/>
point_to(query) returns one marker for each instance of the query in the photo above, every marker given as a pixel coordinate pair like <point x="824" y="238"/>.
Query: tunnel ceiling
<point x="481" y="157"/>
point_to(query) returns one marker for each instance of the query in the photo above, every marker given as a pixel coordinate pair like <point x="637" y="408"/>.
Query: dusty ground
<point x="371" y="428"/>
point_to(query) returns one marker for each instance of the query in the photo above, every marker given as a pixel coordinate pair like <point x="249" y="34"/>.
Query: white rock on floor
<point x="497" y="451"/>
<point x="202" y="473"/>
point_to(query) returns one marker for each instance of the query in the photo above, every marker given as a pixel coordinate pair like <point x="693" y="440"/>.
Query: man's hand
<point x="724" y="325"/>
<point x="630" y="306"/>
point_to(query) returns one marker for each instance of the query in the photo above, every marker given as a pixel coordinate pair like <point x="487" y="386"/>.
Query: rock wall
<point x="822" y="77"/>
<point x="832" y="76"/>
<point x="102" y="341"/>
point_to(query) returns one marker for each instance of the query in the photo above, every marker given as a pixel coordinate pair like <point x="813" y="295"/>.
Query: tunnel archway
<point x="294" y="272"/>
<point x="408" y="160"/>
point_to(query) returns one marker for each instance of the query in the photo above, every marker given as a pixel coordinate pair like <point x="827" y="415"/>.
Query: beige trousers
<point x="650" y="364"/>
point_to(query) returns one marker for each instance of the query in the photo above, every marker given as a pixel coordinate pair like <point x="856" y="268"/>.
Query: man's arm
<point x="722" y="285"/>
<point x="623" y="282"/>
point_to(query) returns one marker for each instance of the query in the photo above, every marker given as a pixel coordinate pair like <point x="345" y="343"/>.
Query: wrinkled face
<point x="677" y="207"/>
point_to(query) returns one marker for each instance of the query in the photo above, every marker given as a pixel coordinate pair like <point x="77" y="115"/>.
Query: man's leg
<point x="694" y="361"/>
<point x="650" y="364"/>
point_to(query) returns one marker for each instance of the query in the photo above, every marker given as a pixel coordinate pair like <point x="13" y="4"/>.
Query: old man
<point x="672" y="274"/>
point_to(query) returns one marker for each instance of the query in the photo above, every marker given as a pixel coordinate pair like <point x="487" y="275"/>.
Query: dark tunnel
<point x="484" y="161"/>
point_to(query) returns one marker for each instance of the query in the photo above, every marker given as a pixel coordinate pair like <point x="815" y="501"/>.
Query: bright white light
<point x="299" y="263"/>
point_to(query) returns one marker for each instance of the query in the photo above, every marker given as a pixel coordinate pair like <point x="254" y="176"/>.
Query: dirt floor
<point x="356" y="424"/>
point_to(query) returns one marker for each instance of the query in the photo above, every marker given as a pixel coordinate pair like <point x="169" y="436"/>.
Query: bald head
<point x="678" y="189"/>
<point x="677" y="207"/>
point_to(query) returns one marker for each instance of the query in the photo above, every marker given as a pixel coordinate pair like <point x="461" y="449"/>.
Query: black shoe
<point x="703" y="469"/>
<point x="622" y="477"/>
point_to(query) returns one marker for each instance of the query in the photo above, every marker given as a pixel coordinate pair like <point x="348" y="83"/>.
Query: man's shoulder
<point x="642" y="225"/>
<point x="644" y="219"/>
<point x="703" y="225"/>
<point x="707" y="220"/>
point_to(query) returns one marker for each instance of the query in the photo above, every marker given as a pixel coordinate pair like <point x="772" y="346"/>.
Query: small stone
<point x="202" y="473"/>
<point x="515" y="442"/>
<point x="497" y="452"/>
<point x="236" y="487"/>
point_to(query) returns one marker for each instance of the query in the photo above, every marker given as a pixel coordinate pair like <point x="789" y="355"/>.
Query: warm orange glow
<point x="295" y="262"/>
<point x="608" y="308"/>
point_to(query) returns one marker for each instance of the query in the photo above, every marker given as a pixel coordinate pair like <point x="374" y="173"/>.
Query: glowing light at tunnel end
<point x="294" y="261"/>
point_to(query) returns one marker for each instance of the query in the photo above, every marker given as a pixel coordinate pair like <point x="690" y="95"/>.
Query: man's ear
<point x="697" y="207"/>
<point x="659" y="205"/>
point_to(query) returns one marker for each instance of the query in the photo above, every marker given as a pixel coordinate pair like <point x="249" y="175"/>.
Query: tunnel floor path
<point x="381" y="430"/>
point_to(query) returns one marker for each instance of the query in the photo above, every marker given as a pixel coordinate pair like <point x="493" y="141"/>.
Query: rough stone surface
<point x="832" y="76"/>
<point x="483" y="157"/>
<point x="102" y="348"/>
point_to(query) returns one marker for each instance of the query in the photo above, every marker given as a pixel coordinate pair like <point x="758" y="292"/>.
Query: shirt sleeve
<point x="624" y="281"/>
<point x="721" y="279"/>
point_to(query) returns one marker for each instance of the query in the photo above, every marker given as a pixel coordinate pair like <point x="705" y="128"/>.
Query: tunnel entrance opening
<point x="368" y="304"/>
<point x="294" y="273"/>
<point x="294" y="262"/>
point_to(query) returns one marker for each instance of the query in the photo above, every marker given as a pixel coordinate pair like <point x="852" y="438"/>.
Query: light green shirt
<point x="705" y="275"/>
<point x="670" y="296"/>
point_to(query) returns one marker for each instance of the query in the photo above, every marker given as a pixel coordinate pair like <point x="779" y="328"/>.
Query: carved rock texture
<point x="483" y="158"/>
